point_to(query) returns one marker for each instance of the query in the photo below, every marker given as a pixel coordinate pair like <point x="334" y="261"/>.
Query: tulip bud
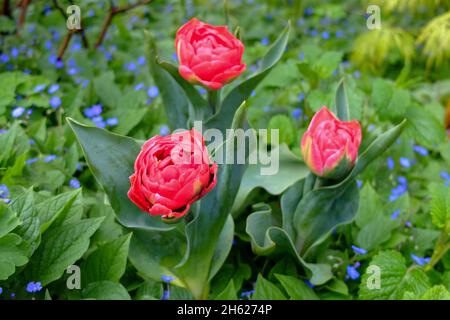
<point x="330" y="146"/>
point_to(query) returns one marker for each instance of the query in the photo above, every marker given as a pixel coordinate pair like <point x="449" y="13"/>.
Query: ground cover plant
<point x="234" y="149"/>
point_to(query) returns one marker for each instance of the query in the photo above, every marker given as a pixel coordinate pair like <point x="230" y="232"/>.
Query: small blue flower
<point x="405" y="162"/>
<point x="357" y="74"/>
<point x="39" y="88"/>
<point x="266" y="109"/>
<point x="55" y="102"/>
<point x="253" y="93"/>
<point x="33" y="287"/>
<point x="1" y="290"/>
<point x="325" y="35"/>
<point x="131" y="66"/>
<point x="297" y="113"/>
<point x="139" y="86"/>
<point x="402" y="180"/>
<point x="247" y="294"/>
<point x="74" y="183"/>
<point x="352" y="273"/>
<point x="17" y="112"/>
<point x="359" y="183"/>
<point x="141" y="60"/>
<point x="420" y="261"/>
<point x="309" y="284"/>
<point x="72" y="71"/>
<point x="12" y="295"/>
<point x="112" y="122"/>
<point x="301" y="56"/>
<point x="339" y="34"/>
<point x="153" y="92"/>
<point x="4" y="58"/>
<point x="14" y="52"/>
<point x="32" y="160"/>
<point x="444" y="175"/>
<point x="395" y="214"/>
<point x="265" y="41"/>
<point x="313" y="33"/>
<point x="166" y="295"/>
<point x="408" y="224"/>
<point x="49" y="158"/>
<point x="167" y="279"/>
<point x="98" y="121"/>
<point x="309" y="11"/>
<point x="390" y="163"/>
<point x="359" y="250"/>
<point x="93" y="111"/>
<point x="4" y="191"/>
<point x="53" y="88"/>
<point x="421" y="150"/>
<point x="164" y="130"/>
<point x="202" y="90"/>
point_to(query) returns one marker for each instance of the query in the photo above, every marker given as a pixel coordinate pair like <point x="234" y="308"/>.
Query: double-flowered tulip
<point x="171" y="173"/>
<point x="208" y="55"/>
<point x="330" y="146"/>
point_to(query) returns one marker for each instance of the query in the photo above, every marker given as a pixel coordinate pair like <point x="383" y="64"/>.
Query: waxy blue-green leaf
<point x="200" y="108"/>
<point x="175" y="99"/>
<point x="290" y="170"/>
<point x="269" y="239"/>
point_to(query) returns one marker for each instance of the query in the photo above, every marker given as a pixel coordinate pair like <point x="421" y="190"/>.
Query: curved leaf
<point x="342" y="107"/>
<point x="175" y="100"/>
<point x="268" y="239"/>
<point x="290" y="170"/>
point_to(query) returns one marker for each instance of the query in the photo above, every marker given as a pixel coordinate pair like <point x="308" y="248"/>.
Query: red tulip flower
<point x="171" y="173"/>
<point x="209" y="55"/>
<point x="330" y="146"/>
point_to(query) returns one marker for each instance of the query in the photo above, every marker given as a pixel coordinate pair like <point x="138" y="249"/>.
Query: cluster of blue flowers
<point x="74" y="183"/>
<point x="94" y="113"/>
<point x="4" y="193"/>
<point x="33" y="287"/>
<point x="420" y="261"/>
<point x="352" y="271"/>
<point x="167" y="280"/>
<point x="400" y="189"/>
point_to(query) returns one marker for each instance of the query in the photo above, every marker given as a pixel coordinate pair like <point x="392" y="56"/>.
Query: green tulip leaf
<point x="342" y="107"/>
<point x="290" y="170"/>
<point x="269" y="239"/>
<point x="175" y="100"/>
<point x="204" y="230"/>
<point x="200" y="107"/>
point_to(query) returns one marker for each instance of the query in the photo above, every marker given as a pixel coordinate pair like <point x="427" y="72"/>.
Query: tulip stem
<point x="309" y="183"/>
<point x="214" y="100"/>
